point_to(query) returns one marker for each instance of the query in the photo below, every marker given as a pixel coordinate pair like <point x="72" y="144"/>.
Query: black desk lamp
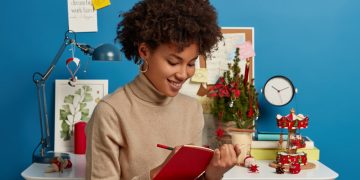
<point x="105" y="52"/>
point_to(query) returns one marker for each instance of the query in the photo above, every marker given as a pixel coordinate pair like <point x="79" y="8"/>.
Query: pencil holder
<point x="80" y="138"/>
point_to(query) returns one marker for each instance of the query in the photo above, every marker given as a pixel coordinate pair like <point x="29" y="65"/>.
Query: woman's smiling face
<point x="168" y="68"/>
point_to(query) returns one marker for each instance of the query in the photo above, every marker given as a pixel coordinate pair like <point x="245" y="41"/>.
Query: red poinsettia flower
<point x="224" y="92"/>
<point x="235" y="92"/>
<point x="219" y="89"/>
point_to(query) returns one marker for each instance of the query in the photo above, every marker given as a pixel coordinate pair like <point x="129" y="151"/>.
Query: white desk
<point x="36" y="172"/>
<point x="267" y="172"/>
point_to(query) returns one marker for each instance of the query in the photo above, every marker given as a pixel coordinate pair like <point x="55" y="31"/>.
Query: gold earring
<point x="141" y="67"/>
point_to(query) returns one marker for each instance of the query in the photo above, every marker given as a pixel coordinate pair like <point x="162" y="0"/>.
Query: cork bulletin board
<point x="233" y="37"/>
<point x="248" y="33"/>
<point x="249" y="36"/>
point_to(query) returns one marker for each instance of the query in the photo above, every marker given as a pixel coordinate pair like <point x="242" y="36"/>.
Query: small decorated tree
<point x="235" y="98"/>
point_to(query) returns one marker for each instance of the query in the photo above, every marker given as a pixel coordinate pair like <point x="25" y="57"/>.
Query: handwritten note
<point x="189" y="87"/>
<point x="201" y="75"/>
<point x="82" y="16"/>
<point x="246" y="50"/>
<point x="98" y="4"/>
<point x="218" y="62"/>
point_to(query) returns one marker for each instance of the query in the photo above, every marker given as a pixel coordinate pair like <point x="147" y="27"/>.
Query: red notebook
<point x="187" y="163"/>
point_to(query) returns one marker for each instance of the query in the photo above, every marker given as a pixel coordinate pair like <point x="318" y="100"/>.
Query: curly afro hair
<point x="179" y="22"/>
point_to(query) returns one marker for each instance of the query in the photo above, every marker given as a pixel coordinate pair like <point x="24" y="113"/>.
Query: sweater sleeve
<point x="104" y="142"/>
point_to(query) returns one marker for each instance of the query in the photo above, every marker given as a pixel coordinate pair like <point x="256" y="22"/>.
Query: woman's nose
<point x="182" y="73"/>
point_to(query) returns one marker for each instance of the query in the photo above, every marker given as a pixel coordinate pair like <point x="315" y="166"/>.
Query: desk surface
<point x="266" y="172"/>
<point x="36" y="172"/>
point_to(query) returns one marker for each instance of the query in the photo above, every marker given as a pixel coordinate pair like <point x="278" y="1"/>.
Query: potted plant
<point x="235" y="104"/>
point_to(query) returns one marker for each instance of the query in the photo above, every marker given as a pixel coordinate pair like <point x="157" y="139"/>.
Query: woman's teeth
<point x="175" y="84"/>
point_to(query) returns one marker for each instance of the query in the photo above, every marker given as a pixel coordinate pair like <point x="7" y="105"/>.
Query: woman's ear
<point x="144" y="51"/>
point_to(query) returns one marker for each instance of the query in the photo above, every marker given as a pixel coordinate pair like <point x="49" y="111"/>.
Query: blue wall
<point x="314" y="43"/>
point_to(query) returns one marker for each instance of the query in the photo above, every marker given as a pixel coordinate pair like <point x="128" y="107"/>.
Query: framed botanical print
<point x="74" y="104"/>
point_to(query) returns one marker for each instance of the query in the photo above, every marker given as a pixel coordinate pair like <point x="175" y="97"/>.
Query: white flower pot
<point x="243" y="139"/>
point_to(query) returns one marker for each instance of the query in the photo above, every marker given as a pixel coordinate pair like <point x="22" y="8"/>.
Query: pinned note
<point x="246" y="50"/>
<point x="201" y="75"/>
<point x="98" y="4"/>
<point x="82" y="16"/>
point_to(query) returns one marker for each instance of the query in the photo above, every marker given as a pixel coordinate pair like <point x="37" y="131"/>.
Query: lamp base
<point x="48" y="157"/>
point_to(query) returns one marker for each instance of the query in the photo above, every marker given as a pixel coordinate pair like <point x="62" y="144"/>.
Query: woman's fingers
<point x="233" y="155"/>
<point x="237" y="150"/>
<point x="223" y="152"/>
<point x="217" y="156"/>
<point x="227" y="155"/>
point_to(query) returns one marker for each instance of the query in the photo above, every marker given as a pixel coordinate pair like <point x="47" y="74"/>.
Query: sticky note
<point x="201" y="75"/>
<point x="98" y="4"/>
<point x="246" y="50"/>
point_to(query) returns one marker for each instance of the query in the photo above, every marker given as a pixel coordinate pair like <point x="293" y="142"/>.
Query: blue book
<point x="270" y="136"/>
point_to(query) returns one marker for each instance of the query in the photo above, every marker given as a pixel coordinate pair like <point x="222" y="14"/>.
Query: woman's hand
<point x="156" y="170"/>
<point x="224" y="159"/>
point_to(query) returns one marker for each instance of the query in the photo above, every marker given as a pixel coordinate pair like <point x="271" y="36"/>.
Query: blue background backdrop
<point x="314" y="43"/>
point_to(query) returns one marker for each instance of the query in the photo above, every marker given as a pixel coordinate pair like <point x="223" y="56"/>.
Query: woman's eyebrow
<point x="180" y="58"/>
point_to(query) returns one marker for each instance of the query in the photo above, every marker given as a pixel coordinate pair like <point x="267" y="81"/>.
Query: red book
<point x="188" y="163"/>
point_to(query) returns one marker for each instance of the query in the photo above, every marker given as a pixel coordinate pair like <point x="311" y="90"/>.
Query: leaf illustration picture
<point x="74" y="109"/>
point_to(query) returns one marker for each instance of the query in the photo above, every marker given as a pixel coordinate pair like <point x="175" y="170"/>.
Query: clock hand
<point x="281" y="101"/>
<point x="275" y="88"/>
<point x="283" y="89"/>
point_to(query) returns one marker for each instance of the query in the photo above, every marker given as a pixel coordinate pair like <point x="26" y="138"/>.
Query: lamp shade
<point x="106" y="52"/>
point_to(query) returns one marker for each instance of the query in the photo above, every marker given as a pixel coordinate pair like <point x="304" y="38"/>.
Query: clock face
<point x="279" y="91"/>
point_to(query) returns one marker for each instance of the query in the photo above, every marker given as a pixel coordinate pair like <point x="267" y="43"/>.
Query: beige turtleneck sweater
<point x="126" y="126"/>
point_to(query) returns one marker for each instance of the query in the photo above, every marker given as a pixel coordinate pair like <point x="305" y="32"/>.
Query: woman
<point x="165" y="37"/>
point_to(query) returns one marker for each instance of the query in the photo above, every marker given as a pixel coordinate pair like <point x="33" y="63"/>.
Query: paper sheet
<point x="191" y="88"/>
<point x="218" y="62"/>
<point x="201" y="75"/>
<point x="82" y="16"/>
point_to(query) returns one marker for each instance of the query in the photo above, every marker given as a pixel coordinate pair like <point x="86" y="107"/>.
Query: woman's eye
<point x="191" y="65"/>
<point x="172" y="63"/>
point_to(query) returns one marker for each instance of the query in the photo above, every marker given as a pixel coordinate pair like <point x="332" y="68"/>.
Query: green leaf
<point x="65" y="135"/>
<point x="87" y="98"/>
<point x="85" y="118"/>
<point x="69" y="99"/>
<point x="87" y="88"/>
<point x="85" y="112"/>
<point x="62" y="134"/>
<point x="82" y="106"/>
<point x="66" y="107"/>
<point x="63" y="114"/>
<point x="64" y="126"/>
<point x="78" y="92"/>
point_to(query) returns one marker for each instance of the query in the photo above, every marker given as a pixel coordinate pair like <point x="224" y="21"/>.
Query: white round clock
<point x="279" y="90"/>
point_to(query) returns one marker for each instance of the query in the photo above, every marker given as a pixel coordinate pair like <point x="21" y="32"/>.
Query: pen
<point x="165" y="147"/>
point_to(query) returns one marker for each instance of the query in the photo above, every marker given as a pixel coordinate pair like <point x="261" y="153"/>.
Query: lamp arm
<point x="40" y="82"/>
<point x="66" y="42"/>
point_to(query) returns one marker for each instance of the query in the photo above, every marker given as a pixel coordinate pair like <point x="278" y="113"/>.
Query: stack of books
<point x="265" y="146"/>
